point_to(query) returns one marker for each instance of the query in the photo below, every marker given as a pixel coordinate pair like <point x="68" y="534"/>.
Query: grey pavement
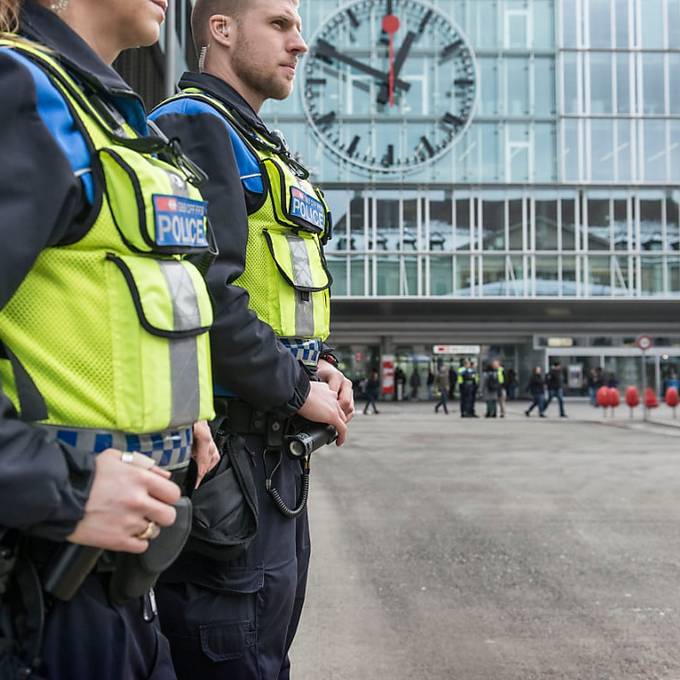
<point x="516" y="549"/>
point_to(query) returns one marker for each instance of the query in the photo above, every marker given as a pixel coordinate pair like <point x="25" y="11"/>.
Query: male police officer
<point x="270" y="287"/>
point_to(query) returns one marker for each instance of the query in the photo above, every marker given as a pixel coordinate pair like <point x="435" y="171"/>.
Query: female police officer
<point x="103" y="344"/>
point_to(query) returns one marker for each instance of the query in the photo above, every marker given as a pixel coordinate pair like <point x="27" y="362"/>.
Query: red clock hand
<point x="390" y="25"/>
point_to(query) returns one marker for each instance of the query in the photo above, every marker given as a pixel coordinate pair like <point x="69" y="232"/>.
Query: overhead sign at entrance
<point x="456" y="349"/>
<point x="644" y="342"/>
<point x="560" y="342"/>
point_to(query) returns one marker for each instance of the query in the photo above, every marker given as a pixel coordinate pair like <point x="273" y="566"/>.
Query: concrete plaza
<point x="515" y="549"/>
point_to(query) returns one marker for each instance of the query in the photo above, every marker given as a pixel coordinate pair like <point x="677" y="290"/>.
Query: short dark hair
<point x="204" y="9"/>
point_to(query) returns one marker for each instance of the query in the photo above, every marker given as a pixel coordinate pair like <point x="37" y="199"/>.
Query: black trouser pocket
<point x="226" y="640"/>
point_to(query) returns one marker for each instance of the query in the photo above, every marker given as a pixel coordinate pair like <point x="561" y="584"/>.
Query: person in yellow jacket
<point x="104" y="359"/>
<point x="235" y="617"/>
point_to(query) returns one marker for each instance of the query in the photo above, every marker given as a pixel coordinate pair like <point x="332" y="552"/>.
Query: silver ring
<point x="127" y="457"/>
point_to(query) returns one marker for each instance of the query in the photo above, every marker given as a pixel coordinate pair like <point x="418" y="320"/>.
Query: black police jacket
<point x="44" y="486"/>
<point x="248" y="360"/>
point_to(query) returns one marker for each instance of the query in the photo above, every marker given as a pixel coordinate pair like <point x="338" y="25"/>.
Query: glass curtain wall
<point x="563" y="185"/>
<point x="510" y="242"/>
<point x="619" y="67"/>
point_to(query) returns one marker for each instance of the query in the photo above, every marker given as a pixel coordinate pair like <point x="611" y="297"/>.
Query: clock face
<point x="389" y="85"/>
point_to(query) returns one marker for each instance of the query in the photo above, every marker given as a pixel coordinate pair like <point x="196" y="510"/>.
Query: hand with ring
<point x="128" y="504"/>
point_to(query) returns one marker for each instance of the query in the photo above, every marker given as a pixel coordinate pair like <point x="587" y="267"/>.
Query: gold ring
<point x="148" y="533"/>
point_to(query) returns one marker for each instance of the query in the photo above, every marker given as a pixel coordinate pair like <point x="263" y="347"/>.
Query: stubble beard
<point x="268" y="86"/>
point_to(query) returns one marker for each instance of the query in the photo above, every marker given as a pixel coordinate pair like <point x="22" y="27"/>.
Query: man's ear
<point x="221" y="29"/>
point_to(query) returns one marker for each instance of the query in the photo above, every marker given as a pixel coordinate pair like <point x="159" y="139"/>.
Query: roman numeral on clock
<point x="353" y="19"/>
<point x="464" y="82"/>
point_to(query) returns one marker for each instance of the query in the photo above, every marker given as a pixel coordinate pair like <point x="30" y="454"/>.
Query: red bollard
<point x="651" y="400"/>
<point x="602" y="398"/>
<point x="614" y="399"/>
<point x="632" y="398"/>
<point x="672" y="399"/>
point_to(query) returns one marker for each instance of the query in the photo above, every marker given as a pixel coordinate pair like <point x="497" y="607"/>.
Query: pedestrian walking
<point x="594" y="381"/>
<point x="512" y="384"/>
<point x="430" y="384"/>
<point x="490" y="387"/>
<point x="442" y="386"/>
<point x="415" y="383"/>
<point x="400" y="382"/>
<point x="536" y="389"/>
<point x="372" y="392"/>
<point x="554" y="382"/>
<point x="452" y="381"/>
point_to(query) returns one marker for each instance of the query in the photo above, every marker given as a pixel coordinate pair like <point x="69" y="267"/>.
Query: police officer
<point x="270" y="286"/>
<point x="502" y="392"/>
<point x="103" y="341"/>
<point x="467" y="383"/>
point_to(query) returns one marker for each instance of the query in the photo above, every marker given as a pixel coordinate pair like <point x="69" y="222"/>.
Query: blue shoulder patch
<point x="248" y="165"/>
<point x="57" y="118"/>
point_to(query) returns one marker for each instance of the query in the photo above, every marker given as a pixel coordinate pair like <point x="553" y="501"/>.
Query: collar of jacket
<point x="44" y="27"/>
<point x="227" y="95"/>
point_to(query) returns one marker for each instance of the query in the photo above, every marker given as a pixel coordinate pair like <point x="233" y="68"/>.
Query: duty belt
<point x="170" y="449"/>
<point x="241" y="418"/>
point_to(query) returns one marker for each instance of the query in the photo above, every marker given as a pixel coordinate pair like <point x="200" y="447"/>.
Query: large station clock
<point x="389" y="85"/>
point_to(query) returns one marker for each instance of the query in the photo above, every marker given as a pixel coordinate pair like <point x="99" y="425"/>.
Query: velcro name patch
<point x="307" y="208"/>
<point x="180" y="222"/>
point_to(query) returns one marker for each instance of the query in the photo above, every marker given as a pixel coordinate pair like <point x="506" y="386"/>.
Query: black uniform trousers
<point x="89" y="638"/>
<point x="467" y="399"/>
<point x="237" y="620"/>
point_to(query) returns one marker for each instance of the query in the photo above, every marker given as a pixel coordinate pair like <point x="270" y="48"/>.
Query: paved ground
<point x="513" y="549"/>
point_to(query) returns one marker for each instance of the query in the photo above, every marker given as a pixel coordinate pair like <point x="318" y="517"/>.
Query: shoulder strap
<point x="155" y="143"/>
<point x="257" y="141"/>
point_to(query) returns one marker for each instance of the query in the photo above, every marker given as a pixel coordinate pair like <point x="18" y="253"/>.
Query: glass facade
<point x="560" y="187"/>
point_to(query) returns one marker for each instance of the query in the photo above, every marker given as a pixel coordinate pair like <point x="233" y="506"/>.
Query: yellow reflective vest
<point x="286" y="274"/>
<point x="111" y="332"/>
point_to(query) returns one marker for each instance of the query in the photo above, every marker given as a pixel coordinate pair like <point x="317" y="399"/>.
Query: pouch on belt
<point x="225" y="505"/>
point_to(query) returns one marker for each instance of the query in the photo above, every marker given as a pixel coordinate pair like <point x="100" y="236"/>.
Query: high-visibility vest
<point x="111" y="331"/>
<point x="285" y="273"/>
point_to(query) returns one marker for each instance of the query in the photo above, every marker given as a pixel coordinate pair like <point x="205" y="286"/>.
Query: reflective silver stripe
<point x="302" y="274"/>
<point x="183" y="294"/>
<point x="186" y="394"/>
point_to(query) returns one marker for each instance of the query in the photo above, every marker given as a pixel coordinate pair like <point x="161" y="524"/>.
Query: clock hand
<point x="396" y="65"/>
<point x="325" y="49"/>
<point x="390" y="25"/>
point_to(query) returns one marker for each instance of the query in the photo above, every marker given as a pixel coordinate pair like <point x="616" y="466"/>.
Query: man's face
<point x="267" y="47"/>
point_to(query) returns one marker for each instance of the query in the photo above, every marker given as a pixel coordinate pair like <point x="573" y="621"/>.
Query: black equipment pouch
<point x="225" y="504"/>
<point x="22" y="612"/>
<point x="136" y="575"/>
